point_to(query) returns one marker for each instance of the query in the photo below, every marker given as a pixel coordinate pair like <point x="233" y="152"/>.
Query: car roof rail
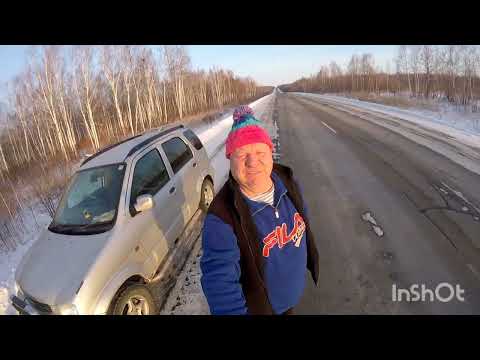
<point x="153" y="138"/>
<point x="108" y="148"/>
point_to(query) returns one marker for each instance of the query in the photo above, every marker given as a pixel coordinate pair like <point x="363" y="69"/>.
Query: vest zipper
<point x="276" y="212"/>
<point x="277" y="215"/>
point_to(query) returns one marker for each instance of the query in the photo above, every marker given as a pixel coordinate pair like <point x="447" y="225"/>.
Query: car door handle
<point x="194" y="164"/>
<point x="172" y="190"/>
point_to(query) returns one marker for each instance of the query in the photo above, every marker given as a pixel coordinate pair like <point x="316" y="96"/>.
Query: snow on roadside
<point x="445" y="113"/>
<point x="8" y="263"/>
<point x="10" y="260"/>
<point x="186" y="297"/>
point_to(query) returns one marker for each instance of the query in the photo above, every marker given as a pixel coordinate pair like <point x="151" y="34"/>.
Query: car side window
<point x="178" y="153"/>
<point x="149" y="176"/>
<point x="193" y="139"/>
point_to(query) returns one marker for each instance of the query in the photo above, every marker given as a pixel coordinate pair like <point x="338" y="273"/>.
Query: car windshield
<point x="90" y="201"/>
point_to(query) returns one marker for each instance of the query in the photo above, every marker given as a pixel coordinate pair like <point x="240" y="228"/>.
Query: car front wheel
<point x="207" y="195"/>
<point x="134" y="299"/>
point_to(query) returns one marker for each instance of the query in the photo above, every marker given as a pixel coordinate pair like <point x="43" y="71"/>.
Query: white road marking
<point x="378" y="230"/>
<point x="329" y="127"/>
<point x="473" y="270"/>
<point x="370" y="219"/>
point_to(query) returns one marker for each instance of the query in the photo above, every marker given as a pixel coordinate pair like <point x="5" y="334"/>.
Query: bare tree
<point x="353" y="69"/>
<point x="86" y="91"/>
<point x="177" y="62"/>
<point x="427" y="61"/>
<point x="403" y="64"/>
<point x="111" y="65"/>
<point x="414" y="61"/>
<point x="429" y="71"/>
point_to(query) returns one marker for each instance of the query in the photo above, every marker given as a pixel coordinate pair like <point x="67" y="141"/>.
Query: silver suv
<point x="117" y="222"/>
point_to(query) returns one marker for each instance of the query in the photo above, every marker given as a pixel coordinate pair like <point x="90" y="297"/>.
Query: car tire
<point x="207" y="194"/>
<point x="135" y="299"/>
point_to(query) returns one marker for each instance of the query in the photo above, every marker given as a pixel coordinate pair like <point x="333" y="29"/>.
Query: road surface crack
<point x="466" y="207"/>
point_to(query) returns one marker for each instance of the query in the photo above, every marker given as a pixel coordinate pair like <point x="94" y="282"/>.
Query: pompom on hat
<point x="246" y="129"/>
<point x="242" y="111"/>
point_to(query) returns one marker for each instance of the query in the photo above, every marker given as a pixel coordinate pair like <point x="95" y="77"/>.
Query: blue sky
<point x="267" y="64"/>
<point x="279" y="64"/>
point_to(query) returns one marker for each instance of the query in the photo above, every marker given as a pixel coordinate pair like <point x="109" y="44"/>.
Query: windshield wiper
<point x="60" y="227"/>
<point x="85" y="228"/>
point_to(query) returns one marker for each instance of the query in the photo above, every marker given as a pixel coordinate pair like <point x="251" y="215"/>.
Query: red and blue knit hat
<point x="246" y="129"/>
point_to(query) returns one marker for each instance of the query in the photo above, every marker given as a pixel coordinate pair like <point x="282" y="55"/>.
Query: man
<point x="256" y="239"/>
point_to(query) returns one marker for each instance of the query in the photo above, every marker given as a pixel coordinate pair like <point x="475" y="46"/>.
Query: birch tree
<point x="86" y="91"/>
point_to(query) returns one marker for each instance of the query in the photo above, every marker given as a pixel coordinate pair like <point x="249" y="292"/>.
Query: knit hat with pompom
<point x="246" y="129"/>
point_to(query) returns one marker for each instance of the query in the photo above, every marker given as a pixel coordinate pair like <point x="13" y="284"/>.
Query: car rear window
<point x="178" y="153"/>
<point x="194" y="140"/>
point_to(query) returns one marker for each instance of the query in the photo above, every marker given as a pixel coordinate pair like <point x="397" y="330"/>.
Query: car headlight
<point x="18" y="290"/>
<point x="68" y="310"/>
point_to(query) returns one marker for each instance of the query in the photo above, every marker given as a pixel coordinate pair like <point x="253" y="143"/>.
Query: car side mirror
<point x="143" y="203"/>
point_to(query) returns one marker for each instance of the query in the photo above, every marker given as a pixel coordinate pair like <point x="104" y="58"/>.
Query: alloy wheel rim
<point x="136" y="305"/>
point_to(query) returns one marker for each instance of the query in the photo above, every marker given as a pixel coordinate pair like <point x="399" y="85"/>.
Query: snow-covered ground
<point x="455" y="135"/>
<point x="186" y="298"/>
<point x="187" y="290"/>
<point x="10" y="260"/>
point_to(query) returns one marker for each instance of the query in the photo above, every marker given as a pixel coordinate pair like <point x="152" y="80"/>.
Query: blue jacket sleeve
<point x="220" y="265"/>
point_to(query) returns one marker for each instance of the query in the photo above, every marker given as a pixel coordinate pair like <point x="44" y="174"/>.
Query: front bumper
<point x="23" y="307"/>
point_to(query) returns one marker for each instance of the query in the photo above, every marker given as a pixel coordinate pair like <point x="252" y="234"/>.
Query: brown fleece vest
<point x="230" y="206"/>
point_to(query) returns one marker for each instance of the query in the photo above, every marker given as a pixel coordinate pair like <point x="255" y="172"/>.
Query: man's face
<point x="252" y="165"/>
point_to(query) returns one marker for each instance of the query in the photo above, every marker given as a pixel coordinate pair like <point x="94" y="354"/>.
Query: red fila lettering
<point x="279" y="235"/>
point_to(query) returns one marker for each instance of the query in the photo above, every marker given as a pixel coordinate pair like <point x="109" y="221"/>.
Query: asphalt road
<point x="386" y="212"/>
